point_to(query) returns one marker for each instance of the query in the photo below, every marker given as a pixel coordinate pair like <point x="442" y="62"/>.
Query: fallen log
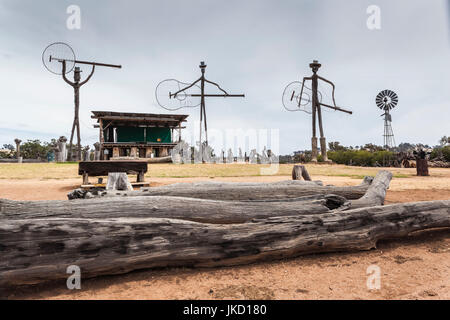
<point x="376" y="193"/>
<point x="41" y="249"/>
<point x="198" y="210"/>
<point x="246" y="191"/>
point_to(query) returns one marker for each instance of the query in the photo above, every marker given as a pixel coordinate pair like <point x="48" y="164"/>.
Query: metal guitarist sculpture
<point x="296" y="98"/>
<point x="181" y="98"/>
<point x="62" y="53"/>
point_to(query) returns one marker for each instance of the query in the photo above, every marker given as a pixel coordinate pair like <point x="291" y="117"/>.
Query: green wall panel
<point x="153" y="134"/>
<point x="130" y="134"/>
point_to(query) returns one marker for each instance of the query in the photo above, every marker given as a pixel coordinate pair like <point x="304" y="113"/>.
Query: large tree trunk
<point x="247" y="191"/>
<point x="199" y="210"/>
<point x="40" y="249"/>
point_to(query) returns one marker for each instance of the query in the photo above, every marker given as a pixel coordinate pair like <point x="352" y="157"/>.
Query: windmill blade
<point x="182" y="100"/>
<point x="386" y="100"/>
<point x="293" y="102"/>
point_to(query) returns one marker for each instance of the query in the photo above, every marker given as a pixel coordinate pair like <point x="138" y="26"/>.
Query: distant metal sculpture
<point x="296" y="98"/>
<point x="387" y="100"/>
<point x="182" y="98"/>
<point x="18" y="142"/>
<point x="59" y="58"/>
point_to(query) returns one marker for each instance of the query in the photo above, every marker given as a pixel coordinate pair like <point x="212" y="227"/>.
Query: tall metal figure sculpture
<point x="296" y="98"/>
<point x="181" y="98"/>
<point x="76" y="84"/>
<point x="61" y="53"/>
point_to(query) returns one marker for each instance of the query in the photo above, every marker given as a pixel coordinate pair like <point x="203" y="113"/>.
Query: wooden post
<point x="101" y="139"/>
<point x="141" y="177"/>
<point x="300" y="171"/>
<point x="422" y="167"/>
<point x="148" y="152"/>
<point x="133" y="152"/>
<point x="164" y="152"/>
<point x="116" y="152"/>
<point x="85" y="178"/>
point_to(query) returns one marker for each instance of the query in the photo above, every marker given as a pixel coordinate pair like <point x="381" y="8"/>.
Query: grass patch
<point x="69" y="170"/>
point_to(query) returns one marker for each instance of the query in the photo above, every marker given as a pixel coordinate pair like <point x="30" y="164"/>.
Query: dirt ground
<point x="416" y="267"/>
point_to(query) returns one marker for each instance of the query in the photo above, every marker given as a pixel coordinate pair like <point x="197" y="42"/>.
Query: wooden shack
<point x="137" y="135"/>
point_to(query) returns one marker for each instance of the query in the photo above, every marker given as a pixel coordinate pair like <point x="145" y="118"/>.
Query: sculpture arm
<point x="213" y="83"/>
<point x="184" y="89"/>
<point x="64" y="73"/>
<point x="332" y="85"/>
<point x="89" y="77"/>
<point x="301" y="92"/>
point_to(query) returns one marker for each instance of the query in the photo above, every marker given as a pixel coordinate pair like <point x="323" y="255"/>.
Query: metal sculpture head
<point x="202" y="66"/>
<point x="315" y="66"/>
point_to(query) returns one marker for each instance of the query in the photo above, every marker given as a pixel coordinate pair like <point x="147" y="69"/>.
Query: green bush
<point x="362" y="158"/>
<point x="438" y="152"/>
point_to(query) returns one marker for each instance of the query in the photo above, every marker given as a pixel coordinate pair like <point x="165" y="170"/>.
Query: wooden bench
<point x="102" y="168"/>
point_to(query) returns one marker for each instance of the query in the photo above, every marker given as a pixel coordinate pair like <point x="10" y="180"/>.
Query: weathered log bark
<point x="299" y="172"/>
<point x="199" y="210"/>
<point x="159" y="160"/>
<point x="118" y="181"/>
<point x="376" y="193"/>
<point x="246" y="191"/>
<point x="36" y="250"/>
<point x="422" y="167"/>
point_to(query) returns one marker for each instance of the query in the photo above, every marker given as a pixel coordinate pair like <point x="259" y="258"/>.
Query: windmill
<point x="59" y="58"/>
<point x="298" y="97"/>
<point x="387" y="100"/>
<point x="172" y="95"/>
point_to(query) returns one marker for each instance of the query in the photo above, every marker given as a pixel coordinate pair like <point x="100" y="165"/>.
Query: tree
<point x="34" y="149"/>
<point x="336" y="146"/>
<point x="405" y="146"/>
<point x="444" y="141"/>
<point x="372" y="147"/>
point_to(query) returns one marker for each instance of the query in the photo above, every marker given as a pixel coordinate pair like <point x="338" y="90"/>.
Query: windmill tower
<point x="387" y="100"/>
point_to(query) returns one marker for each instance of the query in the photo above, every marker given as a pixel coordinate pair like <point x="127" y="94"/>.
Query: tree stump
<point x="118" y="181"/>
<point x="299" y="172"/>
<point x="422" y="167"/>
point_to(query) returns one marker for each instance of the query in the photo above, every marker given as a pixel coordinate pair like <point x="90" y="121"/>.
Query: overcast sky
<point x="252" y="47"/>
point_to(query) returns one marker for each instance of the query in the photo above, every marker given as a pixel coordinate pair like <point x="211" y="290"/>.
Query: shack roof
<point x="134" y="118"/>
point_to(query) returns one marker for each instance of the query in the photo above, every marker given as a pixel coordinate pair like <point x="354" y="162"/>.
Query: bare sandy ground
<point x="411" y="189"/>
<point x="417" y="267"/>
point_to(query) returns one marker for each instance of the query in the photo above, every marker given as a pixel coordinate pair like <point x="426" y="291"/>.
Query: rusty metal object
<point x="62" y="53"/>
<point x="181" y="94"/>
<point x="303" y="100"/>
